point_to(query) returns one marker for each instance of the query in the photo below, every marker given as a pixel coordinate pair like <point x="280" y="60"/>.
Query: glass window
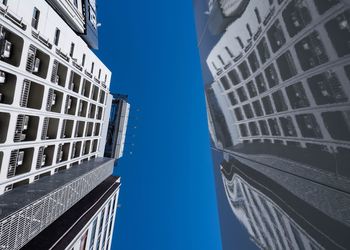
<point x="35" y="18"/>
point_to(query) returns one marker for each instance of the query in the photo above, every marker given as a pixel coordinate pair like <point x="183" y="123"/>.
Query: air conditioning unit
<point x="6" y="46"/>
<point x="36" y="65"/>
<point x="8" y="188"/>
<point x="53" y="101"/>
<point x="25" y="122"/>
<point x="2" y="77"/>
<point x="20" y="158"/>
<point x="22" y="137"/>
<point x="57" y="79"/>
<point x="43" y="159"/>
<point x="69" y="103"/>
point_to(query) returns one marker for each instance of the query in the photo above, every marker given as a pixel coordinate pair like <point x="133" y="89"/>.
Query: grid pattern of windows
<point x="51" y="104"/>
<point x="291" y="85"/>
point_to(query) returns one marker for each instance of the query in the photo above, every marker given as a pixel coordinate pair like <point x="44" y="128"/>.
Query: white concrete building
<point x="53" y="113"/>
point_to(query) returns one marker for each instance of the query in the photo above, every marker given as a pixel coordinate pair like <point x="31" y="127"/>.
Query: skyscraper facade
<point x="54" y="111"/>
<point x="277" y="89"/>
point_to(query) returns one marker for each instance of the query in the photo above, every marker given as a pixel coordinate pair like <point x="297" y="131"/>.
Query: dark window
<point x="297" y="96"/>
<point x="260" y="83"/>
<point x="234" y="77"/>
<point x="243" y="68"/>
<point x="263" y="50"/>
<point x="57" y="37"/>
<point x="296" y="16"/>
<point x="248" y="111"/>
<point x="249" y="30"/>
<point x="311" y="51"/>
<point x="238" y="113"/>
<point x="222" y="61"/>
<point x="92" y="67"/>
<point x="279" y="101"/>
<point x="239" y="40"/>
<point x="271" y="75"/>
<point x="339" y="32"/>
<point x="232" y="98"/>
<point x="257" y="14"/>
<point x="225" y="83"/>
<point x="242" y="94"/>
<point x="243" y="129"/>
<point x="257" y="108"/>
<point x="252" y="89"/>
<point x="308" y="126"/>
<point x="286" y="66"/>
<point x="76" y="3"/>
<point x="288" y="126"/>
<point x="337" y="124"/>
<point x="253" y="61"/>
<point x="99" y="73"/>
<point x="263" y="127"/>
<point x="4" y="2"/>
<point x="274" y="127"/>
<point x="229" y="51"/>
<point x="267" y="105"/>
<point x="83" y="60"/>
<point x="35" y="18"/>
<point x="71" y="52"/>
<point x="276" y="36"/>
<point x="253" y="128"/>
<point x="322" y="5"/>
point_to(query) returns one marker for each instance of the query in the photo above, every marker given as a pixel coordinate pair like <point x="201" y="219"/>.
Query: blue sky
<point x="167" y="197"/>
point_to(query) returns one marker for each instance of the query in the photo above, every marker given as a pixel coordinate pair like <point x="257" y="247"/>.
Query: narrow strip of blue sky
<point x="167" y="197"/>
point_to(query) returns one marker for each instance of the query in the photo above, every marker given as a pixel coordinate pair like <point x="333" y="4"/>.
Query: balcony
<point x="94" y="94"/>
<point x="26" y="128"/>
<point x="308" y="126"/>
<point x="74" y="82"/>
<point x="82" y="108"/>
<point x="71" y="105"/>
<point x="4" y="126"/>
<point x="297" y="96"/>
<point x="59" y="74"/>
<point x="311" y="51"/>
<point x="37" y="62"/>
<point x="99" y="113"/>
<point x="94" y="146"/>
<point x="62" y="152"/>
<point x="276" y="36"/>
<point x="32" y="95"/>
<point x="102" y="97"/>
<point x="7" y="87"/>
<point x="327" y="89"/>
<point x="85" y="90"/>
<point x="86" y="147"/>
<point x="79" y="129"/>
<point x="11" y="47"/>
<point x="76" y="148"/>
<point x="50" y="128"/>
<point x="288" y="126"/>
<point x="97" y="129"/>
<point x="67" y="129"/>
<point x="92" y="111"/>
<point x="286" y="66"/>
<point x="20" y="162"/>
<point x="338" y="124"/>
<point x="89" y="128"/>
<point x="296" y="16"/>
<point x="54" y="101"/>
